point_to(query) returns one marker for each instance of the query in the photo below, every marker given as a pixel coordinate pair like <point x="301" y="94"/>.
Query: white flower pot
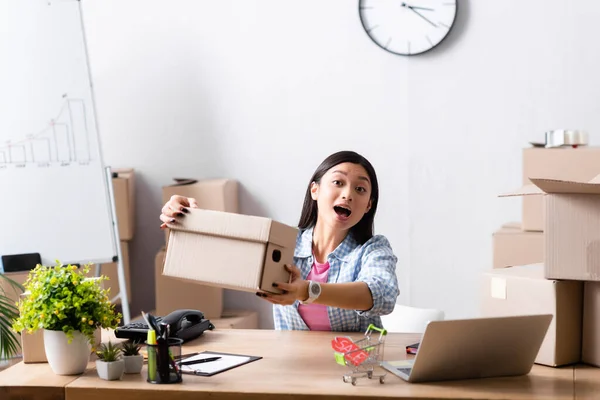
<point x="110" y="371"/>
<point x="66" y="358"/>
<point x="133" y="364"/>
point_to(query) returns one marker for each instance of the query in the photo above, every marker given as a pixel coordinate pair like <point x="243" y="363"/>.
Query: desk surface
<point x="295" y="365"/>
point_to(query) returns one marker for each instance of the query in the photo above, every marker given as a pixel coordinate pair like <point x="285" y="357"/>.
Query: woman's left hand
<point x="296" y="289"/>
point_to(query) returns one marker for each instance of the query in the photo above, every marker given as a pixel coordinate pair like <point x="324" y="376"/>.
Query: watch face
<point x="315" y="289"/>
<point x="407" y="28"/>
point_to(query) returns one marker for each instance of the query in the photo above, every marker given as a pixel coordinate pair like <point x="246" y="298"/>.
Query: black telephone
<point x="183" y="324"/>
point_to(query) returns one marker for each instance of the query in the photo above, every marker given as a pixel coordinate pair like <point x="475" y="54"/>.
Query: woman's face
<point x="343" y="195"/>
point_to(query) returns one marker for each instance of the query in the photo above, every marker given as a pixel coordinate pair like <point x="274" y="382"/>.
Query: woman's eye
<point x="361" y="189"/>
<point x="336" y="182"/>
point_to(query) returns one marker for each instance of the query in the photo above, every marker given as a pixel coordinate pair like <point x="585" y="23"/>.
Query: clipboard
<point x="228" y="361"/>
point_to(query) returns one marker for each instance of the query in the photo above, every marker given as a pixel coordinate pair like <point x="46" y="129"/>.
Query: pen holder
<point x="162" y="364"/>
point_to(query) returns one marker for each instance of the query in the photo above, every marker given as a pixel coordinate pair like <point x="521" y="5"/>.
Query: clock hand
<point x="421" y="8"/>
<point x="416" y="7"/>
<point x="420" y="15"/>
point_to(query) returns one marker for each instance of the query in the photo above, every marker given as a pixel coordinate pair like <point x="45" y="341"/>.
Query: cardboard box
<point x="513" y="246"/>
<point x="236" y="320"/>
<point x="210" y="194"/>
<point x="590" y="346"/>
<point x="110" y="271"/>
<point x="523" y="290"/>
<point x="565" y="163"/>
<point x="231" y="251"/>
<point x="571" y="234"/>
<point x="174" y="294"/>
<point x="124" y="193"/>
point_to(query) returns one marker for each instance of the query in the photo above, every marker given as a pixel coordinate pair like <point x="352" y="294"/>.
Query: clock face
<point x="407" y="27"/>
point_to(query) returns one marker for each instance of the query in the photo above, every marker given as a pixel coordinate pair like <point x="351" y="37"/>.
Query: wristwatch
<point x="314" y="291"/>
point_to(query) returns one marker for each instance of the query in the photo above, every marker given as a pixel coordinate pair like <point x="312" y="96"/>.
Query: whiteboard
<point x="54" y="192"/>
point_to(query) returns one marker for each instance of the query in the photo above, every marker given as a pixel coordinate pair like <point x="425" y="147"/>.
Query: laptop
<point x="474" y="348"/>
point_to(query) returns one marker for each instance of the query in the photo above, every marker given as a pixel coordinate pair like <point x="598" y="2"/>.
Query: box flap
<point x="525" y="190"/>
<point x="224" y="224"/>
<point x="512" y="226"/>
<point x="561" y="186"/>
<point x="596" y="179"/>
<point x="556" y="186"/>
<point x="282" y="234"/>
<point x="531" y="271"/>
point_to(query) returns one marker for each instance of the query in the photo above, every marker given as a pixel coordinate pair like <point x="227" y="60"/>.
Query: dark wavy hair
<point x="363" y="230"/>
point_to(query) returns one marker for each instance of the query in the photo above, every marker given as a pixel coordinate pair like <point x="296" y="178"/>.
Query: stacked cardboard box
<point x="123" y="182"/>
<point x="560" y="236"/>
<point x="514" y="246"/>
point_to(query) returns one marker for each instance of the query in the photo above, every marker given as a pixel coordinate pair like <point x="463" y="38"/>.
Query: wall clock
<point x="407" y="28"/>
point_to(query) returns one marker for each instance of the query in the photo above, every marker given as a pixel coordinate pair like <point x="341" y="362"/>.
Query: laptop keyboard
<point x="405" y="370"/>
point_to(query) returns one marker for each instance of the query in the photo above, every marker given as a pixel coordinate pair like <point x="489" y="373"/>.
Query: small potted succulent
<point x="110" y="364"/>
<point x="132" y="357"/>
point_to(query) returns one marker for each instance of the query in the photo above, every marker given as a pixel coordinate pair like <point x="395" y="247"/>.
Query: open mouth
<point x="342" y="211"/>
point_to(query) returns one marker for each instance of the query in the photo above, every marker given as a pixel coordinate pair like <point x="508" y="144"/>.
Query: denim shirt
<point x="373" y="263"/>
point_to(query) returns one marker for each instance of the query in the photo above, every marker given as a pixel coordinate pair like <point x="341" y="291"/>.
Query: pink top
<point x="315" y="315"/>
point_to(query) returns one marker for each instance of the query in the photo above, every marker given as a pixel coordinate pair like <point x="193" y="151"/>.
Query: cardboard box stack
<point x="553" y="257"/>
<point x="124" y="193"/>
<point x="173" y="293"/>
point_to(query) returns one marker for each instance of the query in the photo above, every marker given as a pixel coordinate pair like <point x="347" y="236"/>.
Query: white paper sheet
<point x="225" y="362"/>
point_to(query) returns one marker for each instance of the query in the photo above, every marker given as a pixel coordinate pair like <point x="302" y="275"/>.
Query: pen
<point x="202" y="360"/>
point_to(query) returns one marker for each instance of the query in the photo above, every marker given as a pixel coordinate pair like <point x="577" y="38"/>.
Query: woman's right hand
<point x="176" y="207"/>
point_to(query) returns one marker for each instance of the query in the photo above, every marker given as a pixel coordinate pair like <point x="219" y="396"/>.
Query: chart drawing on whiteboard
<point x="64" y="139"/>
<point x="51" y="168"/>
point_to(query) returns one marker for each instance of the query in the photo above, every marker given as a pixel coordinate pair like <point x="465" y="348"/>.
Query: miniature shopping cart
<point x="362" y="356"/>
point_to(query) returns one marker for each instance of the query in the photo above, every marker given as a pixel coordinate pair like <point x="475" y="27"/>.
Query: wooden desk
<point x="587" y="382"/>
<point x="295" y="365"/>
<point x="32" y="381"/>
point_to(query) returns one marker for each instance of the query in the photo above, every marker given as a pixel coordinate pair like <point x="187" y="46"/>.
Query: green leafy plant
<point x="63" y="298"/>
<point x="9" y="342"/>
<point x="131" y="348"/>
<point x="109" y="352"/>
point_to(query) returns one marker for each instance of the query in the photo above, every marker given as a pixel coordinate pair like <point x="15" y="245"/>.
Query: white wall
<point x="262" y="91"/>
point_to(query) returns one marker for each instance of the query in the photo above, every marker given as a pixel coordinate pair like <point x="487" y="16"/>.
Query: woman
<point x="344" y="277"/>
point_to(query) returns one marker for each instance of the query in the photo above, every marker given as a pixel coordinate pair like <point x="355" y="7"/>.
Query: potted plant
<point x="132" y="357"/>
<point x="110" y="365"/>
<point x="69" y="307"/>
<point x="9" y="342"/>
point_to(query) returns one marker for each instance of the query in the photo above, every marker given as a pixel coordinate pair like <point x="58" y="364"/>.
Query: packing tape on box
<point x="498" y="288"/>
<point x="565" y="137"/>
